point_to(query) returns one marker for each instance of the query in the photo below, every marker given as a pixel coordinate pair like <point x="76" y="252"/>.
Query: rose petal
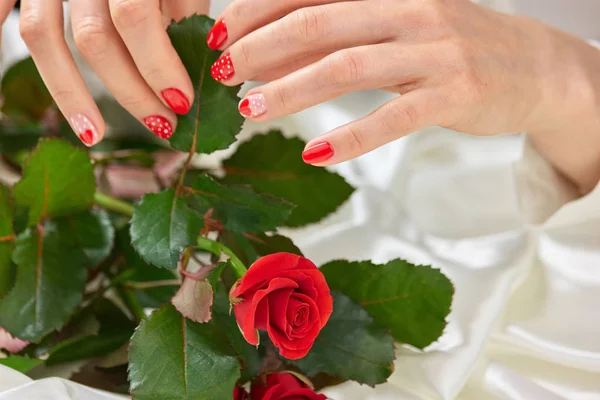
<point x="268" y="267"/>
<point x="303" y="394"/>
<point x="324" y="301"/>
<point x="274" y="385"/>
<point x="10" y="343"/>
<point x="246" y="315"/>
<point x="278" y="305"/>
<point x="194" y="300"/>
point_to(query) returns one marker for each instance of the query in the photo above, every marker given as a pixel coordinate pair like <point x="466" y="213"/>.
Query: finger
<point x="284" y="70"/>
<point x="98" y="41"/>
<point x="179" y="9"/>
<point x="304" y="32"/>
<point x="244" y="16"/>
<point x="345" y="71"/>
<point x="408" y="113"/>
<point x="139" y="22"/>
<point x="42" y="30"/>
<point x="6" y="7"/>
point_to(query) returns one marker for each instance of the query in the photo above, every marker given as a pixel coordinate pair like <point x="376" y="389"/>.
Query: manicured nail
<point x="318" y="153"/>
<point x="222" y="69"/>
<point x="160" y="126"/>
<point x="176" y="100"/>
<point x="253" y="105"/>
<point x="85" y="129"/>
<point x="217" y="35"/>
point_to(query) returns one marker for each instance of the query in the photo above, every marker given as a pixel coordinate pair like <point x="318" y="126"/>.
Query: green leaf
<point x="143" y="272"/>
<point x="7" y="270"/>
<point x="412" y="301"/>
<point x="249" y="356"/>
<point x="351" y="346"/>
<point x="21" y="364"/>
<point x="24" y="92"/>
<point x="57" y="180"/>
<point x="162" y="227"/>
<point x="213" y="120"/>
<point x="273" y="164"/>
<point x="251" y="249"/>
<point x="172" y="358"/>
<point x="51" y="277"/>
<point x="93" y="232"/>
<point x="238" y="207"/>
<point x="115" y="330"/>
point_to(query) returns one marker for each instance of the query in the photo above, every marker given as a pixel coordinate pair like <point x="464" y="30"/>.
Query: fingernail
<point x="217" y="35"/>
<point x="176" y="100"/>
<point x="160" y="126"/>
<point x="222" y="69"/>
<point x="253" y="105"/>
<point x="318" y="153"/>
<point x="85" y="129"/>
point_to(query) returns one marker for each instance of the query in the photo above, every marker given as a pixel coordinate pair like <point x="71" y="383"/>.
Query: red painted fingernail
<point x="253" y="105"/>
<point x="160" y="126"/>
<point x="222" y="69"/>
<point x="318" y="153"/>
<point x="217" y="35"/>
<point x="176" y="100"/>
<point x="85" y="129"/>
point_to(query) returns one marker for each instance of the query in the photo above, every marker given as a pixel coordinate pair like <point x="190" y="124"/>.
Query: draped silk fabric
<point x="522" y="248"/>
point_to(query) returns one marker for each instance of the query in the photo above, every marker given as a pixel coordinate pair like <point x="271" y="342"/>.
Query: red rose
<point x="240" y="393"/>
<point x="287" y="296"/>
<point x="283" y="386"/>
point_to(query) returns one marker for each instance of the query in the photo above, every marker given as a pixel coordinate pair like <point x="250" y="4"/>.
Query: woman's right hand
<point x="126" y="43"/>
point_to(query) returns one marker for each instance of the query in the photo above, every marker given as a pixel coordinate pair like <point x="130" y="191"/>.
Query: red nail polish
<point x="217" y="35"/>
<point x="222" y="69"/>
<point x="318" y="153"/>
<point x="160" y="126"/>
<point x="176" y="100"/>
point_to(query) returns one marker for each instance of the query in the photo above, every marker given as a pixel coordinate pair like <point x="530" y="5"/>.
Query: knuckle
<point x="309" y="24"/>
<point x="346" y="67"/>
<point x="356" y="140"/>
<point x="130" y="102"/>
<point x="127" y="13"/>
<point x="90" y="36"/>
<point x="33" y="28"/>
<point x="402" y="118"/>
<point x="283" y="96"/>
<point x="245" y="53"/>
<point x="62" y="96"/>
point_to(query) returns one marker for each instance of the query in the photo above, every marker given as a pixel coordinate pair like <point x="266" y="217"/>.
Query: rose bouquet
<point x="189" y="292"/>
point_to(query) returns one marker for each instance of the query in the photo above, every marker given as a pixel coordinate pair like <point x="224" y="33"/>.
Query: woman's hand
<point x="455" y="64"/>
<point x="126" y="43"/>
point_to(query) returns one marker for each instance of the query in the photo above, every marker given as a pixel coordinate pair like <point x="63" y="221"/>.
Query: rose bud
<point x="287" y="296"/>
<point x="282" y="386"/>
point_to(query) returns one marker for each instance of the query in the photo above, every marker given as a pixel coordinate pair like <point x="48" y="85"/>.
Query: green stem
<point x="112" y="204"/>
<point x="131" y="302"/>
<point x="216" y="248"/>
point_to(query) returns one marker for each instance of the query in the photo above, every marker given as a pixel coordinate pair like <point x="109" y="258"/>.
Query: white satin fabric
<point x="521" y="248"/>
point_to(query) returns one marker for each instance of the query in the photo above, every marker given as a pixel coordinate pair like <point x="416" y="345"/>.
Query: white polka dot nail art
<point x="85" y="129"/>
<point x="160" y="126"/>
<point x="253" y="105"/>
<point x="222" y="69"/>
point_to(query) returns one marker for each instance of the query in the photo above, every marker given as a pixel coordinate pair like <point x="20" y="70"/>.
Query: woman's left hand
<point x="455" y="64"/>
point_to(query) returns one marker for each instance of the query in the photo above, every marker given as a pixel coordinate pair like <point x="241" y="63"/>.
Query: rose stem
<point x="217" y="248"/>
<point x="112" y="204"/>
